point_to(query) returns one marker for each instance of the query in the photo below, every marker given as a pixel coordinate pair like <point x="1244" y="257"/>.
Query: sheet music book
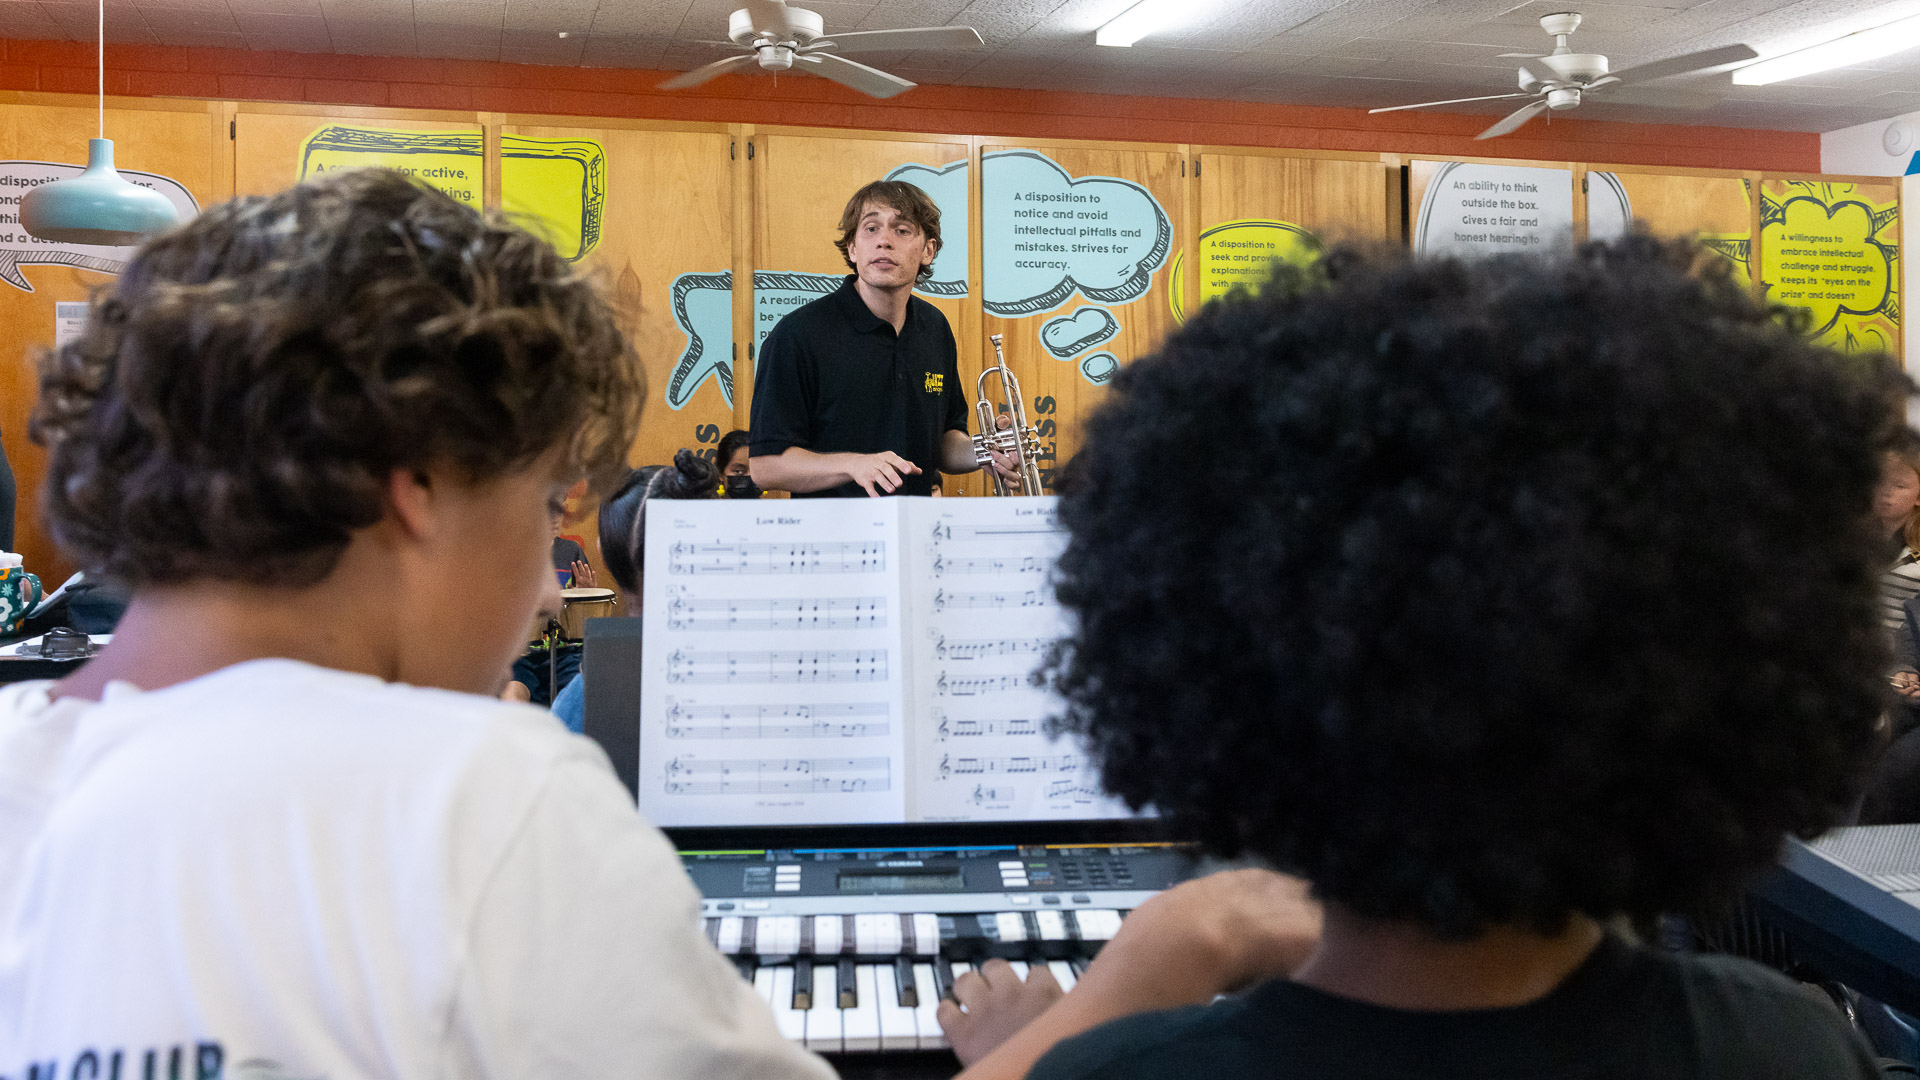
<point x="853" y="661"/>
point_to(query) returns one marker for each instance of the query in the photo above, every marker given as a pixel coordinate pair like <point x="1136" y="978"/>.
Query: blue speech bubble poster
<point x="946" y="185"/>
<point x="1048" y="235"/>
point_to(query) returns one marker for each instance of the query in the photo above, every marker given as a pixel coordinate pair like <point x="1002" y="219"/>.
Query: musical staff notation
<point x="986" y="796"/>
<point x="999" y="533"/>
<point x="846" y="613"/>
<point x="977" y="687"/>
<point x="944" y="600"/>
<point x="956" y="765"/>
<point x="1074" y="791"/>
<point x="806" y="557"/>
<point x="989" y="564"/>
<point x="777" y="776"/>
<point x="981" y="648"/>
<point x="780" y="666"/>
<point x="967" y="729"/>
<point x="856" y="720"/>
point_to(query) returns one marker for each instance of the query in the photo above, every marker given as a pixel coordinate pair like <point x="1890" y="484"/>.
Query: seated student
<point x="731" y="456"/>
<point x="1540" y="593"/>
<point x="276" y="828"/>
<point x="623" y="544"/>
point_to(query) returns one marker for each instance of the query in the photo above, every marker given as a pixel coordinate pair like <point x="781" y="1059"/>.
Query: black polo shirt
<point x="833" y="377"/>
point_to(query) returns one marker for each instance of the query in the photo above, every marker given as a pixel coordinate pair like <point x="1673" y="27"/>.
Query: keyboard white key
<point x="826" y="935"/>
<point x="926" y="934"/>
<point x="1019" y="968"/>
<point x="729" y="941"/>
<point x="898" y="1030"/>
<point x="1012" y="926"/>
<point x="777" y="935"/>
<point x="926" y="1015"/>
<point x="1096" y="924"/>
<point x="763" y="985"/>
<point x="1052" y="926"/>
<point x="823" y="1020"/>
<point x="1062" y="973"/>
<point x="791" y="1021"/>
<point x="860" y="1025"/>
<point x="877" y="934"/>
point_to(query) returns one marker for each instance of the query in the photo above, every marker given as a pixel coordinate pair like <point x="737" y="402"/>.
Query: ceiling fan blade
<point x="1450" y="101"/>
<point x="868" y="80"/>
<point x="1518" y="56"/>
<point x="769" y="16"/>
<point x="711" y="71"/>
<point x="1681" y="65"/>
<point x="1514" y="120"/>
<point x="923" y="37"/>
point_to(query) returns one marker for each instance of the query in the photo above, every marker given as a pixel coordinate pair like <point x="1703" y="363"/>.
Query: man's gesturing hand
<point x="883" y="470"/>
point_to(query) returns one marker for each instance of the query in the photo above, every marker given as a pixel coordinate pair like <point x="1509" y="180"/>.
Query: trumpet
<point x="1020" y="441"/>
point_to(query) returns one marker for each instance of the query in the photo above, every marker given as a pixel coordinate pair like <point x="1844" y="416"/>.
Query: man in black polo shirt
<point x="859" y="391"/>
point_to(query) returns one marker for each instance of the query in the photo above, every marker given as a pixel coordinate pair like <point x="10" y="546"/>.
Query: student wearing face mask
<point x="736" y="480"/>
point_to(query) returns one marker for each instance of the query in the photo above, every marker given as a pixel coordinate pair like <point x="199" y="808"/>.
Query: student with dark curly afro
<point x="1542" y="597"/>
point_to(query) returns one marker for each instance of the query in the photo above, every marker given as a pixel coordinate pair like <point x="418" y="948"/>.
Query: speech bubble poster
<point x="1240" y="254"/>
<point x="946" y="185"/>
<point x="1048" y="236"/>
<point x="17" y="249"/>
<point x="1832" y="249"/>
<point x="1473" y="208"/>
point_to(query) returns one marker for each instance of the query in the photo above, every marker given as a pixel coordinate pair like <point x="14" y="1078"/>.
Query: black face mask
<point x="742" y="487"/>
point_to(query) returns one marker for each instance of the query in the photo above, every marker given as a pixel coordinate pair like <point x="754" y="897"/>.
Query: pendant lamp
<point x="98" y="206"/>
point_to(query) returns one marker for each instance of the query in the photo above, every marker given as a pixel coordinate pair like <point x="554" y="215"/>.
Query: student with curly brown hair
<point x="277" y="828"/>
<point x="1541" y="593"/>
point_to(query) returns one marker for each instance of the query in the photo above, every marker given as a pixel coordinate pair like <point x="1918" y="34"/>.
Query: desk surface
<point x="16" y="668"/>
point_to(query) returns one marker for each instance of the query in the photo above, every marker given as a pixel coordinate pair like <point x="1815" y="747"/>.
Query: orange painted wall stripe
<point x="233" y="74"/>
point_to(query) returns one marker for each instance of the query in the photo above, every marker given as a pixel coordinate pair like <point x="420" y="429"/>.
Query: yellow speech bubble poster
<point x="1833" y="250"/>
<point x="450" y="161"/>
<point x="557" y="187"/>
<point x="1237" y="254"/>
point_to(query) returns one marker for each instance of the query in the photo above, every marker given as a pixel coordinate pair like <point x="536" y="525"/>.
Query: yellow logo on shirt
<point x="936" y="382"/>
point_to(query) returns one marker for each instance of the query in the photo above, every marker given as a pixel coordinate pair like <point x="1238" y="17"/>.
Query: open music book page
<point x="980" y="617"/>
<point x="772" y="675"/>
<point x="853" y="661"/>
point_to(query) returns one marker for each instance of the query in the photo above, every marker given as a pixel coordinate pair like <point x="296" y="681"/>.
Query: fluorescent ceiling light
<point x="1138" y="21"/>
<point x="1840" y="52"/>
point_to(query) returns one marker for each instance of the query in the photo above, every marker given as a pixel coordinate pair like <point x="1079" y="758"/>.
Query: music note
<point x="779" y="666"/>
<point x="753" y="557"/>
<point x="856" y="720"/>
<point x="832" y="613"/>
<point x="776" y="776"/>
<point x="975" y="687"/>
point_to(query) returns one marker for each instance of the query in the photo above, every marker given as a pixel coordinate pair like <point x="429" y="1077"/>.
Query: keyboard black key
<point x="848" y="942"/>
<point x="847" y="985"/>
<point x="747" y="964"/>
<point x="903" y="989"/>
<point x="943" y="976"/>
<point x="748" y="931"/>
<point x="802" y="984"/>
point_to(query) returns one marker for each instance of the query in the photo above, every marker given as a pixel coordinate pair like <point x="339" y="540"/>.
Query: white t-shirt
<point x="280" y="870"/>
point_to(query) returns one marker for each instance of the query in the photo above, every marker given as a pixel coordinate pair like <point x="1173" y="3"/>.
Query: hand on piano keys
<point x="874" y="981"/>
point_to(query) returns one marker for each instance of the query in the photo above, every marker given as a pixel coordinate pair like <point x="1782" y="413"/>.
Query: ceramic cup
<point x="19" y="591"/>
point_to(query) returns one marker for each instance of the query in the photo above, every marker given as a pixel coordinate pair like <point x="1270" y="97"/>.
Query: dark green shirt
<point x="1627" y="1013"/>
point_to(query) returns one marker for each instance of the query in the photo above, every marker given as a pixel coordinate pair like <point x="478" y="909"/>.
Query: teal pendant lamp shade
<point x="96" y="207"/>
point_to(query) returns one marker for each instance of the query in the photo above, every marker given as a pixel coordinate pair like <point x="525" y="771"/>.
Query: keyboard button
<point x="1063" y="973"/>
<point x="943" y="977"/>
<point x="826" y="935"/>
<point x="777" y="935"/>
<point x="1097" y="924"/>
<point x="897" y="1028"/>
<point x="792" y="1022"/>
<point x="860" y="1025"/>
<point x="877" y="934"/>
<point x="1011" y="926"/>
<point x="1052" y="924"/>
<point x="926" y="1014"/>
<point x="712" y="929"/>
<point x="823" y="1020"/>
<point x="750" y="934"/>
<point x="728" y="939"/>
<point x="926" y="935"/>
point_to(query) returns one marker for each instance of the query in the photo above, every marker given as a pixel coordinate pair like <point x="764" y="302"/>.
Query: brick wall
<point x="149" y="71"/>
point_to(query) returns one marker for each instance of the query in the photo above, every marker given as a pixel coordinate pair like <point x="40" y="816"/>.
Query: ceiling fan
<point x="1561" y="78"/>
<point x="779" y="38"/>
